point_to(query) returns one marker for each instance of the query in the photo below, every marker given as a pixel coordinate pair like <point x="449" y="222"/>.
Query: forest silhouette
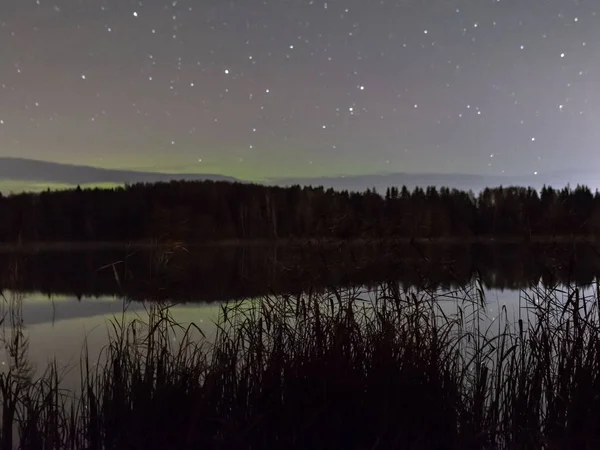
<point x="194" y="211"/>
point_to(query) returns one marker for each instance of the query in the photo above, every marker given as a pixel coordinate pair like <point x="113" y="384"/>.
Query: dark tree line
<point x="208" y="211"/>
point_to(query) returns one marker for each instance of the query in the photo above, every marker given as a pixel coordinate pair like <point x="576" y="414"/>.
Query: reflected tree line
<point x="208" y="211"/>
<point x="214" y="273"/>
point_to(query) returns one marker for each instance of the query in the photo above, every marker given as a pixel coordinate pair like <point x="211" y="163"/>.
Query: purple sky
<point x="258" y="89"/>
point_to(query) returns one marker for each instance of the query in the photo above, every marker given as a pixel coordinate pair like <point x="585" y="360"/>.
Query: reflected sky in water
<point x="59" y="326"/>
<point x="69" y="300"/>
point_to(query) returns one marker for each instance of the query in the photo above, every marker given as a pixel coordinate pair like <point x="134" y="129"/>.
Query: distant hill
<point x="20" y="174"/>
<point x="465" y="182"/>
<point x="34" y="171"/>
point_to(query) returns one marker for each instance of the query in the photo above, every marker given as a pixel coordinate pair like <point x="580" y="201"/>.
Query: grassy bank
<point x="324" y="371"/>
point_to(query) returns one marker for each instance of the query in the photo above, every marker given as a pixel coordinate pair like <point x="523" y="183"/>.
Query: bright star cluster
<point x="264" y="89"/>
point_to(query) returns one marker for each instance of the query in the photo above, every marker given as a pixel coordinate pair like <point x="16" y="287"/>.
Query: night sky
<point x="259" y="89"/>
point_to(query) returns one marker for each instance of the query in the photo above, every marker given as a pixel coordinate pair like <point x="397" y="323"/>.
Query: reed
<point x="349" y="369"/>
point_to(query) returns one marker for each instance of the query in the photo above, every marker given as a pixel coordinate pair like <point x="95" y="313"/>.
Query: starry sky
<point x="260" y="89"/>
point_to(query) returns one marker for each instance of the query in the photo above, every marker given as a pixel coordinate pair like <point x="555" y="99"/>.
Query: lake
<point x="68" y="296"/>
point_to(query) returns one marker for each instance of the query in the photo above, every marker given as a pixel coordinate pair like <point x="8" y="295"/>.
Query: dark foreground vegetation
<point x="217" y="211"/>
<point x="326" y="371"/>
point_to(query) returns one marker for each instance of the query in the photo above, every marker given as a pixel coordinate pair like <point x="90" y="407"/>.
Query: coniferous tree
<point x="201" y="211"/>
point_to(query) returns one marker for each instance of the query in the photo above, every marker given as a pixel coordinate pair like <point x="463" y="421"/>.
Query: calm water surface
<point x="69" y="298"/>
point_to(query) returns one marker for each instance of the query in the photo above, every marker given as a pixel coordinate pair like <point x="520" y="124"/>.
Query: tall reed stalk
<point x="344" y="369"/>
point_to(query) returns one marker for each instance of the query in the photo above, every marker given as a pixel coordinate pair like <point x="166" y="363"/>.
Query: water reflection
<point x="211" y="273"/>
<point x="69" y="298"/>
<point x="61" y="328"/>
